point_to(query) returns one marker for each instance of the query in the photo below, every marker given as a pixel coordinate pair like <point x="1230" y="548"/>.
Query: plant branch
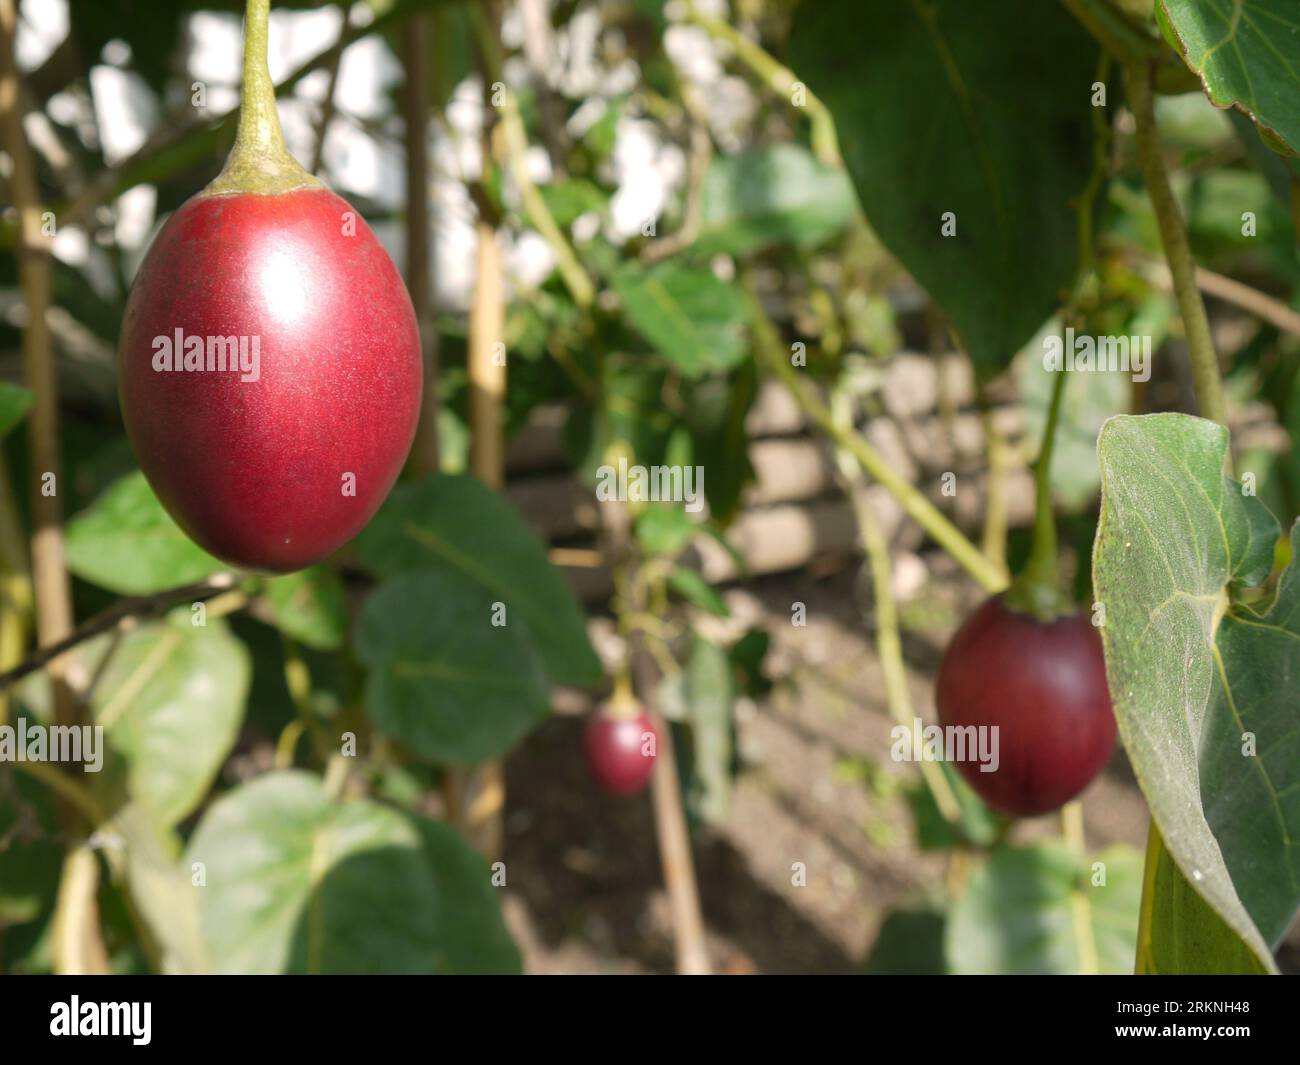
<point x="419" y="257"/>
<point x="1178" y="252"/>
<point x="1230" y="290"/>
<point x="52" y="589"/>
<point x="1114" y="31"/>
<point x="987" y="574"/>
<point x="889" y="644"/>
<point x="123" y="611"/>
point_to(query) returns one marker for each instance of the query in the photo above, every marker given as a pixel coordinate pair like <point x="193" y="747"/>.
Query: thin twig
<point x="1260" y="304"/>
<point x="989" y="575"/>
<point x="123" y="611"/>
<point x="419" y="258"/>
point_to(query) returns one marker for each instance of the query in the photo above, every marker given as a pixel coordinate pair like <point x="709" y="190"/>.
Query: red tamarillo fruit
<point x="619" y="745"/>
<point x="269" y="360"/>
<point x="1042" y="684"/>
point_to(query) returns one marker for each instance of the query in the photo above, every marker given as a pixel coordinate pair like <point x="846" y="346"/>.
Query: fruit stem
<point x="259" y="162"/>
<point x="1037" y="589"/>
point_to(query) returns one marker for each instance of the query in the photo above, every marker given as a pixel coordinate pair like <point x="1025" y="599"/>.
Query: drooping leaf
<point x="978" y="110"/>
<point x="452" y="674"/>
<point x="1202" y="685"/>
<point x="126" y="542"/>
<point x="297" y="883"/>
<point x="170" y="702"/>
<point x="693" y="319"/>
<point x="909" y="943"/>
<point x="767" y="196"/>
<point x="455" y="524"/>
<point x="1247" y="54"/>
<point x="1019" y="914"/>
<point x="691" y="586"/>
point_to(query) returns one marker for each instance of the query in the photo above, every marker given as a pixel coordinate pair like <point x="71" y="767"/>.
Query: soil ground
<point x="585" y="892"/>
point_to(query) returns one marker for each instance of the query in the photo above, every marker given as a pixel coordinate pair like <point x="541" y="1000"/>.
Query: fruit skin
<point x="1044" y="684"/>
<point x="612" y="745"/>
<point x="254" y="470"/>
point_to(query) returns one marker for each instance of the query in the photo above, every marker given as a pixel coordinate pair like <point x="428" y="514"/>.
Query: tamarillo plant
<point x="291" y="642"/>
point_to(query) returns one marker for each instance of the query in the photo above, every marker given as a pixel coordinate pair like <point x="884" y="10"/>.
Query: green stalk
<point x="1178" y="251"/>
<point x="259" y="162"/>
<point x="1037" y="590"/>
<point x="988" y="574"/>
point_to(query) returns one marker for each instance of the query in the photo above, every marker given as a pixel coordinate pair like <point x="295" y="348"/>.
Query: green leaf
<point x="126" y="542"/>
<point x="664" y="529"/>
<point x="170" y="702"/>
<point x="693" y="319"/>
<point x="30" y="858"/>
<point x="299" y="884"/>
<point x="14" y="403"/>
<point x="310" y="606"/>
<point x="445" y="677"/>
<point x="1019" y="914"/>
<point x="569" y="199"/>
<point x="909" y="943"/>
<point x="982" y="110"/>
<point x="695" y="589"/>
<point x="1184" y="935"/>
<point x="708" y="699"/>
<point x="1195" y="676"/>
<point x="450" y="524"/>
<point x="1247" y="54"/>
<point x="161" y="888"/>
<point x="766" y="196"/>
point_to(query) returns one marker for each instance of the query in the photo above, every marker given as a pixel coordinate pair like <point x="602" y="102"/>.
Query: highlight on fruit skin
<point x="619" y="745"/>
<point x="1042" y="684"/>
<point x="270" y="370"/>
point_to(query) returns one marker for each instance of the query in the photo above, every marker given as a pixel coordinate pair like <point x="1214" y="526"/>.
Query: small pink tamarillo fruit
<point x="1042" y="684"/>
<point x="619" y="744"/>
<point x="270" y="371"/>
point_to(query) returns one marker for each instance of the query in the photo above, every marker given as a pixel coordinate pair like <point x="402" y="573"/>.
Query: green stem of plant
<point x="57" y="780"/>
<point x="1037" y="589"/>
<point x="259" y="162"/>
<point x="1080" y="904"/>
<point x="1178" y="251"/>
<point x="889" y="643"/>
<point x="1113" y="30"/>
<point x="987" y="574"/>
<point x="781" y="79"/>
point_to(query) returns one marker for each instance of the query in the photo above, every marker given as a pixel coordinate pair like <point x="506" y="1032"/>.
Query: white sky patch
<point x="41" y="28"/>
<point x="125" y="111"/>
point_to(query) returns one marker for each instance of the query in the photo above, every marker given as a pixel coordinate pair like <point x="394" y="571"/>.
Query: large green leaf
<point x="694" y="320"/>
<point x="171" y="702"/>
<point x="449" y="523"/>
<point x="129" y="544"/>
<point x="1247" y="54"/>
<point x="1198" y="679"/>
<point x="299" y="883"/>
<point x="1021" y="913"/>
<point x="14" y="401"/>
<point x="983" y="110"/>
<point x="445" y="678"/>
<point x="776" y="195"/>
